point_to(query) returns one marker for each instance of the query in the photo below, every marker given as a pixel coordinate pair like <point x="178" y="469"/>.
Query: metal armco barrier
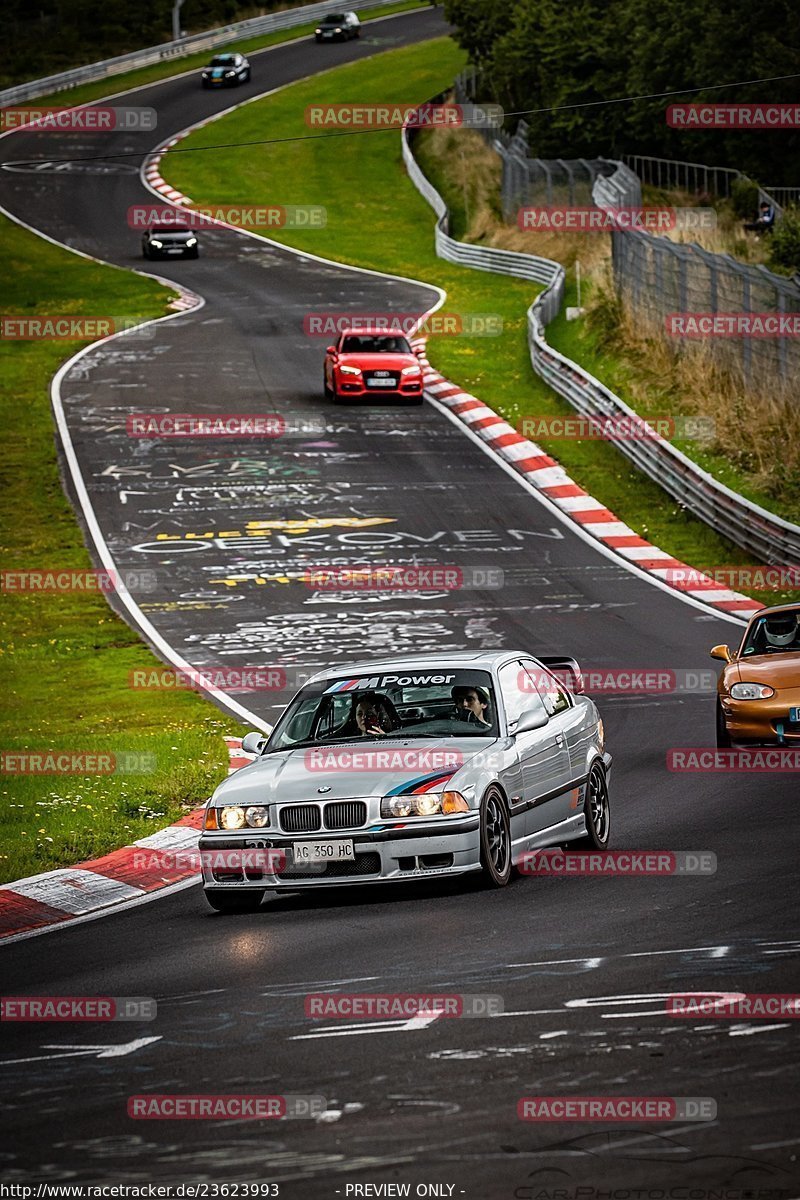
<point x="769" y="538"/>
<point x="172" y="50"/>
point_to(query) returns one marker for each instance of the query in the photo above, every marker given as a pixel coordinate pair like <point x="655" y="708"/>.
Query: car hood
<point x="778" y="670"/>
<point x="379" y="362"/>
<point x="172" y="237"/>
<point x="351" y="769"/>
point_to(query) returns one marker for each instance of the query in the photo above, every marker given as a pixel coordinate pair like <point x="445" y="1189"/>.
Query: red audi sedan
<point x="372" y="363"/>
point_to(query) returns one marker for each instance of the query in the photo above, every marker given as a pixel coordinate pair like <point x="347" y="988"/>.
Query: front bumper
<point x="348" y="385"/>
<point x="765" y="722"/>
<point x="381" y="856"/>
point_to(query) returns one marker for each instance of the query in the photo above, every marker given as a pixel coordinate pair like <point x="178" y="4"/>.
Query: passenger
<point x="373" y="717"/>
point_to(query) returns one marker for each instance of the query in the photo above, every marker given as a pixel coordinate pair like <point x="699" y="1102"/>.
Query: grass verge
<point x="388" y="226"/>
<point x="112" y="84"/>
<point x="66" y="656"/>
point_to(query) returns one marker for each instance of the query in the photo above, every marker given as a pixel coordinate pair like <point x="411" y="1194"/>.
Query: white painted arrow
<point x="420" y="1021"/>
<point x="77" y="1051"/>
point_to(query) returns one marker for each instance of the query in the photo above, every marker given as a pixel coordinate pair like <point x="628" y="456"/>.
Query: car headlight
<point x="426" y="804"/>
<point x="317" y="31"/>
<point x="229" y="74"/>
<point x="752" y="691"/>
<point x="157" y="244"/>
<point x="338" y="31"/>
<point x="350" y="370"/>
<point x="257" y="816"/>
<point x="191" y="241"/>
<point x="231" y="818"/>
<point x="411" y="370"/>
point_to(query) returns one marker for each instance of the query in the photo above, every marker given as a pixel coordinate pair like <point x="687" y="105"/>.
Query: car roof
<point x="373" y="331"/>
<point x="789" y="606"/>
<point x="482" y="660"/>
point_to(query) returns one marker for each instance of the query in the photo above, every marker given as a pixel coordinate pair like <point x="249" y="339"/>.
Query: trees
<point x="545" y="54"/>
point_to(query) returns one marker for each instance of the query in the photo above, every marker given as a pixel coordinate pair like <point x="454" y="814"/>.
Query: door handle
<point x="559" y="739"/>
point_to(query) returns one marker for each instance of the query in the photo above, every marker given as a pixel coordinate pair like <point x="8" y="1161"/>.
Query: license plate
<point x="174" y="249"/>
<point x="327" y="35"/>
<point x="390" y="383"/>
<point x="322" y="852"/>
<point x="794" y="714"/>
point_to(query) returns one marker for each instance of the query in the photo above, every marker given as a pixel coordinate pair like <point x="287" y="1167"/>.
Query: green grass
<point x="66" y="657"/>
<point x="389" y="227"/>
<point x="112" y="84"/>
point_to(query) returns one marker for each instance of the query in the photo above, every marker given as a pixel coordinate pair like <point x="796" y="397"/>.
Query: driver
<point x="780" y="630"/>
<point x="472" y="704"/>
<point x="372" y="716"/>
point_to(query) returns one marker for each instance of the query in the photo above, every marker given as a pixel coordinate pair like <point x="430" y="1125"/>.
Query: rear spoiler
<point x="566" y="670"/>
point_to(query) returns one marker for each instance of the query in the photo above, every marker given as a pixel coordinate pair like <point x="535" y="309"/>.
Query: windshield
<point x="162" y="229"/>
<point x="222" y="60"/>
<point x="775" y="633"/>
<point x="336" y="19"/>
<point x="367" y="343"/>
<point x="431" y="703"/>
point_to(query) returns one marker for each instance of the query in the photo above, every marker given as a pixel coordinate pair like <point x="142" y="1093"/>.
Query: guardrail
<point x="699" y="178"/>
<point x="173" y="50"/>
<point x="763" y="534"/>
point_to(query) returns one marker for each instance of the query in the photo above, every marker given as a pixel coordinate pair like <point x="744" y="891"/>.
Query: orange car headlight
<point x="752" y="691"/>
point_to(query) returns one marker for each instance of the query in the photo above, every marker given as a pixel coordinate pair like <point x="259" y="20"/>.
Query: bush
<point x="744" y="197"/>
<point x="784" y="246"/>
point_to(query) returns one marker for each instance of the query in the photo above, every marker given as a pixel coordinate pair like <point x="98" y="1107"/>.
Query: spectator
<point x="764" y="221"/>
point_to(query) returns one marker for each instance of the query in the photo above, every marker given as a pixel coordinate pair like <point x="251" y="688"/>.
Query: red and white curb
<point x="58" y="897"/>
<point x="548" y="477"/>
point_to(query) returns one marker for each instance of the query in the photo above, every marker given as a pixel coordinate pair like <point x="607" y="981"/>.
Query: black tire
<point x="326" y="391"/>
<point x="415" y="400"/>
<point x="356" y="33"/>
<point x="144" y="253"/>
<point x="723" y="737"/>
<point x="194" y="253"/>
<point x="597" y="812"/>
<point x="225" y="901"/>
<point x="495" y="835"/>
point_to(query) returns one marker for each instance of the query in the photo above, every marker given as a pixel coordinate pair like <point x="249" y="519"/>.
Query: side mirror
<point x="532" y="718"/>
<point x="722" y="652"/>
<point x="419" y="351"/>
<point x="253" y="743"/>
<point x="330" y="349"/>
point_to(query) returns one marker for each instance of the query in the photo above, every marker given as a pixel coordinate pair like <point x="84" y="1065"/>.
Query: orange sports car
<point x="758" y="693"/>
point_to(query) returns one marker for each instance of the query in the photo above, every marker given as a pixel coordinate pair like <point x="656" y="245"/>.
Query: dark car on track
<point x="226" y="70"/>
<point x="338" y="27"/>
<point x="170" y="241"/>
